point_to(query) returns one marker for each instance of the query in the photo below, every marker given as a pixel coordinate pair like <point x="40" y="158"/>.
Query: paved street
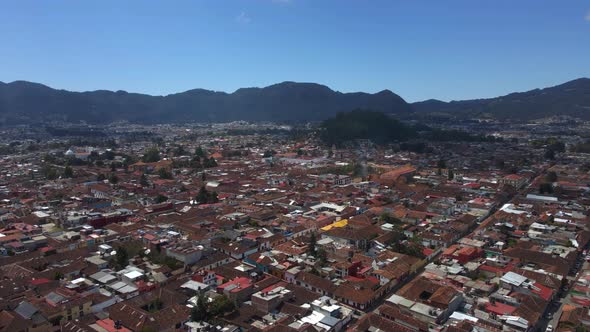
<point x="564" y="299"/>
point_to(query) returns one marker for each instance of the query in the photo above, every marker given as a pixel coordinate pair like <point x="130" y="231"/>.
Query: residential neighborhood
<point x="225" y="228"/>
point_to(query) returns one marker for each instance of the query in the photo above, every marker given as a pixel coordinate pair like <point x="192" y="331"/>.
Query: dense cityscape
<point x="264" y="227"/>
<point x="295" y="166"/>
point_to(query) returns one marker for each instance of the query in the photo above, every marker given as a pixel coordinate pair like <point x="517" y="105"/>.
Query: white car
<point x="549" y="328"/>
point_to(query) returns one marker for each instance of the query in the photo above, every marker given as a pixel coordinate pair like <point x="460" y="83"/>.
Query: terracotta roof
<point x="315" y="281"/>
<point x="355" y="293"/>
<point x="372" y="321"/>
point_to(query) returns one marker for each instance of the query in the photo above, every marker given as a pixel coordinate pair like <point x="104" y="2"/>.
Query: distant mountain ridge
<point x="25" y="102"/>
<point x="571" y="98"/>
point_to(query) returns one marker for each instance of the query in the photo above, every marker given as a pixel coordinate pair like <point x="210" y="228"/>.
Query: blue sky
<point x="444" y="49"/>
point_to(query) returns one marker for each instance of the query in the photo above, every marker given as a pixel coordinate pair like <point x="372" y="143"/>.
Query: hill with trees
<point x="26" y="102"/>
<point x="571" y="98"/>
<point x="360" y="124"/>
<point x="383" y="128"/>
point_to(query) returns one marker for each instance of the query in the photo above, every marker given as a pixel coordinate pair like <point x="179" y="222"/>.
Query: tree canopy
<point x="206" y="197"/>
<point x="151" y="155"/>
<point x="360" y="124"/>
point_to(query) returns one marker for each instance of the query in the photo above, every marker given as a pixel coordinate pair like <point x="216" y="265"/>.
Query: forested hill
<point x="571" y="98"/>
<point x="382" y="128"/>
<point x="360" y="124"/>
<point x="26" y="102"/>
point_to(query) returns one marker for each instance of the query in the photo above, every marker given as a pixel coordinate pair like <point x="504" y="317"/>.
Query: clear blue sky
<point x="445" y="49"/>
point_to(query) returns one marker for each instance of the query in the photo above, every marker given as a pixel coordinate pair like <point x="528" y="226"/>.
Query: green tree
<point x="122" y="257"/>
<point x="221" y="305"/>
<point x="551" y="176"/>
<point x="209" y="162"/>
<point x="202" y="196"/>
<point x="179" y="151"/>
<point x="161" y="199"/>
<point x="396" y="241"/>
<point x="164" y="174"/>
<point x="546" y="188"/>
<point x="56" y="320"/>
<point x="322" y="256"/>
<point x="101" y="177"/>
<point x="199" y="152"/>
<point x="451" y="174"/>
<point x="412" y="247"/>
<point x="114" y="179"/>
<point x="581" y="147"/>
<point x="49" y="172"/>
<point x="499" y="163"/>
<point x="213" y="197"/>
<point x="206" y="197"/>
<point x="311" y="247"/>
<point x="154" y="305"/>
<point x="389" y="219"/>
<point x="68" y="172"/>
<point x="556" y="145"/>
<point x="196" y="163"/>
<point x="143" y="181"/>
<point x="268" y="153"/>
<point x="151" y="155"/>
<point x="549" y="154"/>
<point x="108" y="155"/>
<point x="200" y="312"/>
<point x="93" y="156"/>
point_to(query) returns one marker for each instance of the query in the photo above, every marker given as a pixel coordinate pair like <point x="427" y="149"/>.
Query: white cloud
<point x="587" y="17"/>
<point x="243" y="18"/>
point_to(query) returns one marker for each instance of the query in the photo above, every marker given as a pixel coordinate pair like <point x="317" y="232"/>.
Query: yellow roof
<point x="340" y="223"/>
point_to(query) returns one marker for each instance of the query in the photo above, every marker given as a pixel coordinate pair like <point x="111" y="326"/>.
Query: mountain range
<point x="571" y="98"/>
<point x="22" y="101"/>
<point x="26" y="102"/>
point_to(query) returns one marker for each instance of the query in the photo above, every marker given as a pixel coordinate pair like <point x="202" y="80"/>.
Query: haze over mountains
<point x="26" y="102"/>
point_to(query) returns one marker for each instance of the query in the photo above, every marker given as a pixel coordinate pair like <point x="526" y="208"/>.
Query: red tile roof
<point x="544" y="292"/>
<point x="243" y="282"/>
<point x="500" y="308"/>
